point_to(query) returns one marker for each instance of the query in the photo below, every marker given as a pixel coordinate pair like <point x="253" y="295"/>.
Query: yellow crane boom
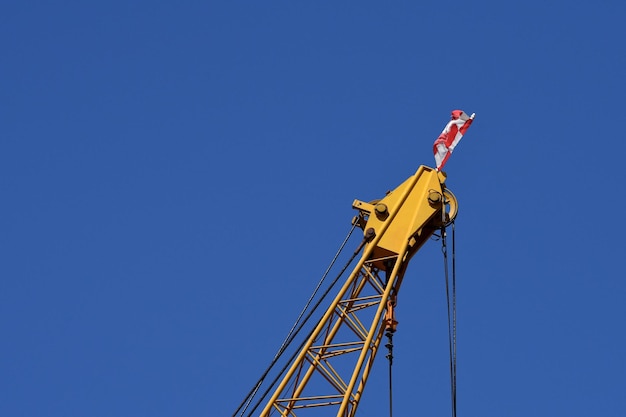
<point x="332" y="368"/>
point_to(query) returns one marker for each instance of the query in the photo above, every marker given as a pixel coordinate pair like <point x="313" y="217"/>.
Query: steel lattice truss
<point x="341" y="340"/>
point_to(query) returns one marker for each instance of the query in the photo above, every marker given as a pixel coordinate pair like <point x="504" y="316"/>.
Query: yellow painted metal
<point x="411" y="210"/>
<point x="345" y="341"/>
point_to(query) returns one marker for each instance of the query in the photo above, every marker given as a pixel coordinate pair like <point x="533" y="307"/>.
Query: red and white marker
<point x="450" y="136"/>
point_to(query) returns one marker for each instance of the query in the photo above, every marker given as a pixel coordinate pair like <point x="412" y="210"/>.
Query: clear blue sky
<point x="175" y="177"/>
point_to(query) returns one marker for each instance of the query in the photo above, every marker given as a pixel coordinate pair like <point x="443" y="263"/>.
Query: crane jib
<point x="330" y="368"/>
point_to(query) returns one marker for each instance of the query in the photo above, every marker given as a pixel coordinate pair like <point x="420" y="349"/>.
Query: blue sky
<point x="177" y="176"/>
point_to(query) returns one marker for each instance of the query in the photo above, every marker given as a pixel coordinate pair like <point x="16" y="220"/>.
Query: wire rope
<point x="317" y="304"/>
<point x="389" y="346"/>
<point x="454" y="315"/>
<point x="451" y="306"/>
<point x="293" y="332"/>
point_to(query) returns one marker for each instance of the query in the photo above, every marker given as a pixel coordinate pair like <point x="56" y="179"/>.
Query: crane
<point x="330" y="369"/>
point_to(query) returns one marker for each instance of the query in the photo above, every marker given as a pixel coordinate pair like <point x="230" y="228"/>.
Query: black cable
<point x="290" y="335"/>
<point x="451" y="320"/>
<point x="297" y="351"/>
<point x="454" y="317"/>
<point x="389" y="346"/>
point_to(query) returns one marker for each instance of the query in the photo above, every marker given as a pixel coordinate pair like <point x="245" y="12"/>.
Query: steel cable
<point x="317" y="304"/>
<point x="451" y="306"/>
<point x="292" y="332"/>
